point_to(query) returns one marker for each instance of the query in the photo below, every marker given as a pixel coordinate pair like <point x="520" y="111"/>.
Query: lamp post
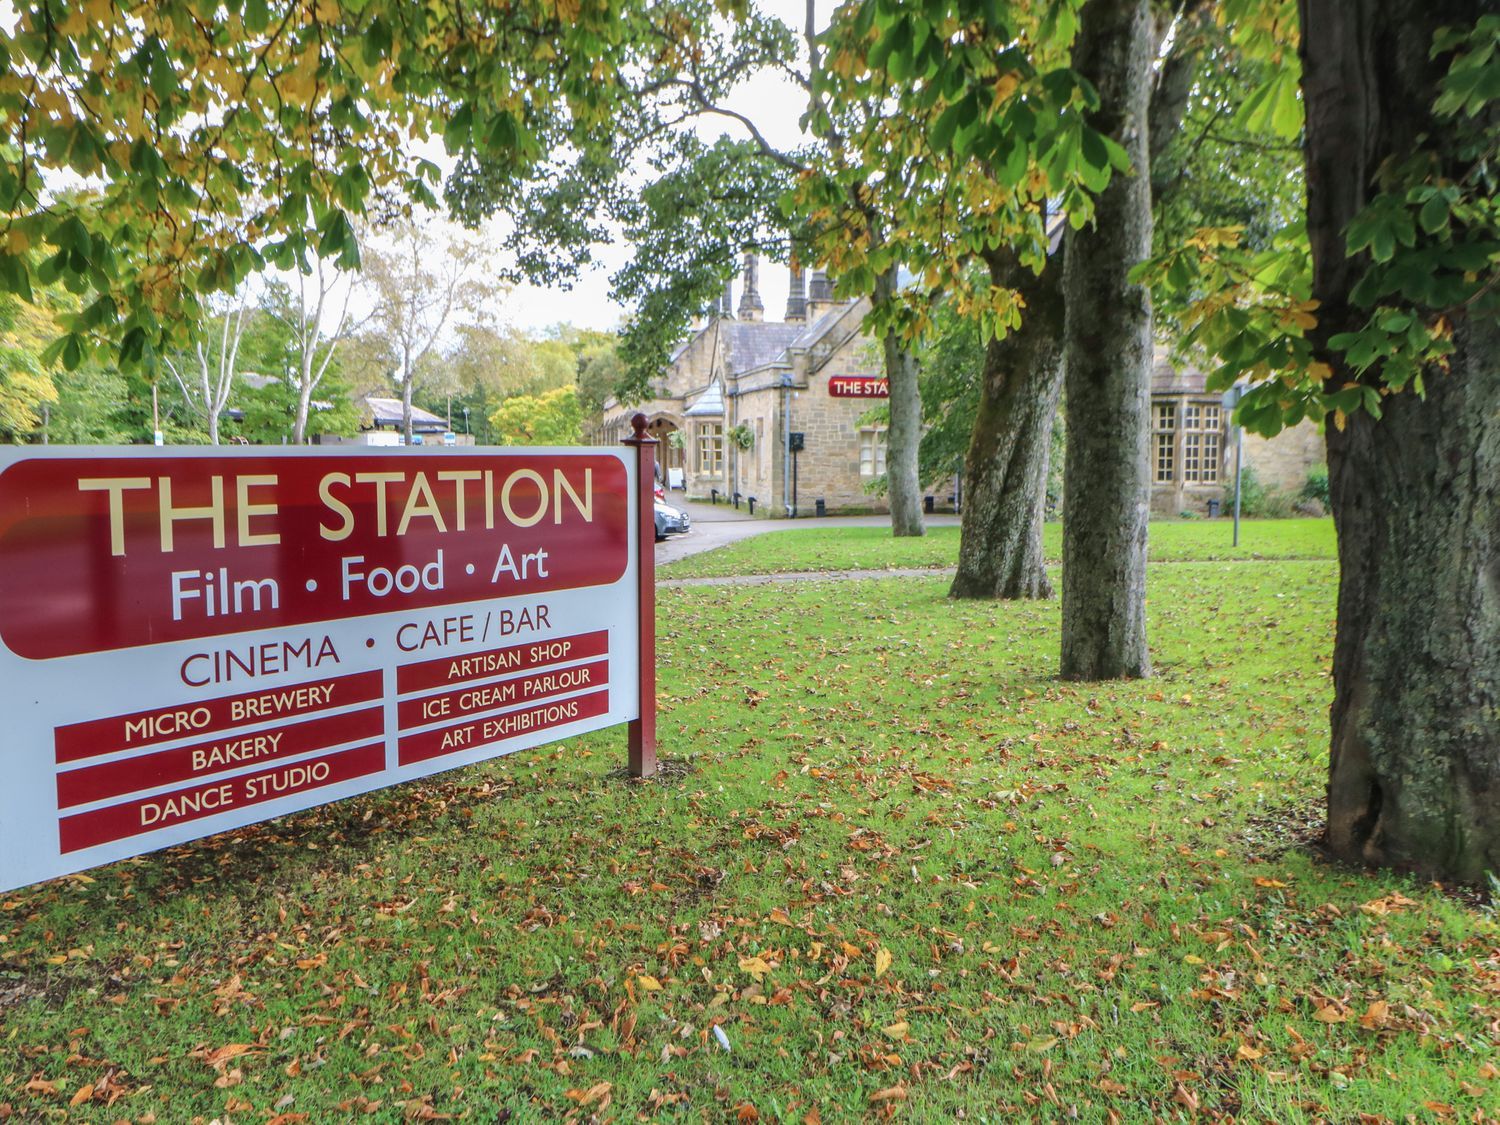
<point x="1231" y="400"/>
<point x="466" y="421"/>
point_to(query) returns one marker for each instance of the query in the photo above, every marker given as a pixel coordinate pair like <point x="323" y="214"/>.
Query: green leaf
<point x="1286" y="109"/>
<point x="1434" y="214"/>
<point x="941" y="134"/>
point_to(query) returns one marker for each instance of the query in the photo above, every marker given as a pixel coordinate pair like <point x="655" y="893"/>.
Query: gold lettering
<point x="417" y="506"/>
<point x="337" y="506"/>
<point x="170" y="515"/>
<point x="460" y="497"/>
<point x="510" y="483"/>
<point x="379" y="480"/>
<point x="116" y="487"/>
<point x="247" y="511"/>
<point x="560" y="485"/>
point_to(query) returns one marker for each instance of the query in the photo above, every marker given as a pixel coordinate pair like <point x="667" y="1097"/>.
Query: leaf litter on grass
<point x="910" y="875"/>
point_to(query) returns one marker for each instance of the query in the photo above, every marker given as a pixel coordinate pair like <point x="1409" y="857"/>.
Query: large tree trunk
<point x="1414" y="767"/>
<point x="1005" y="473"/>
<point x="904" y="437"/>
<point x="1108" y="369"/>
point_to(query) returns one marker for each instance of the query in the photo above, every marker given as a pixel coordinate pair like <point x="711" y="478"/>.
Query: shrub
<point x="1316" y="485"/>
<point x="1258" y="501"/>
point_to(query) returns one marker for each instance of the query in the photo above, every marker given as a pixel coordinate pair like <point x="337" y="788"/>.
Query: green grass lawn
<point x="897" y="865"/>
<point x="872" y="548"/>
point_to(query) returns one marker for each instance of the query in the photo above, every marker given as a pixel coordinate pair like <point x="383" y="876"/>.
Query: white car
<point x="670" y="521"/>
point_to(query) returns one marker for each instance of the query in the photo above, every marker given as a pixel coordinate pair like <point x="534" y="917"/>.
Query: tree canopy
<point x="215" y="137"/>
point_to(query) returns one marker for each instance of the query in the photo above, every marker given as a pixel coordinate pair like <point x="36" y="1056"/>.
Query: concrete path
<point x="809" y="576"/>
<point x="716" y="525"/>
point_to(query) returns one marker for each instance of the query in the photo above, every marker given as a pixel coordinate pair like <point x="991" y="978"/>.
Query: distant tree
<point x="600" y="370"/>
<point x="269" y="410"/>
<point x="91" y="407"/>
<point x="423" y="278"/>
<point x="316" y="313"/>
<point x="554" y="417"/>
<point x="205" y="375"/>
<point x="25" y="386"/>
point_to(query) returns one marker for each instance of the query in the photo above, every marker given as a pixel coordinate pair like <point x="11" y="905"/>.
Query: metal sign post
<point x="642" y="729"/>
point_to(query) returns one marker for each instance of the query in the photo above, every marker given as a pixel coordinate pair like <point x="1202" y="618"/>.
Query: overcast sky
<point x="775" y="105"/>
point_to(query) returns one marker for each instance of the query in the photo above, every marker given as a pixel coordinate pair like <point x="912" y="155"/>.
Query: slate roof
<point x="710" y="403"/>
<point x="261" y="382"/>
<point x="387" y="412"/>
<point x="752" y="344"/>
<point x="811" y="333"/>
<point x="1166" y="378"/>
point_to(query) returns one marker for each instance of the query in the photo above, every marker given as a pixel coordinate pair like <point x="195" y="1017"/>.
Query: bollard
<point x="752" y="505"/>
<point x="713" y="495"/>
<point x="736" y="501"/>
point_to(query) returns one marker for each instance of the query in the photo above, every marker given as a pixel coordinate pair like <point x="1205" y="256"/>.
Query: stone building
<point x="780" y="411"/>
<point x="774" y="410"/>
<point x="1192" y="446"/>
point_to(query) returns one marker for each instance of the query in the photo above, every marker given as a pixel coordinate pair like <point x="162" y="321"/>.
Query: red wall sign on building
<point x="859" y="386"/>
<point x="194" y="640"/>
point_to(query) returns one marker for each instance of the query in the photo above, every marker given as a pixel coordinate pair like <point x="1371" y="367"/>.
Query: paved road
<point x="715" y="525"/>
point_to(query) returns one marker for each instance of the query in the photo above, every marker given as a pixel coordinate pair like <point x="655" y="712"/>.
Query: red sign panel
<point x="516" y="658"/>
<point x="858" y="386"/>
<point x="183" y="763"/>
<point x="204" y="716"/>
<point x="148" y="814"/>
<point x="494" y="694"/>
<point x="108" y="553"/>
<point x="498" y="728"/>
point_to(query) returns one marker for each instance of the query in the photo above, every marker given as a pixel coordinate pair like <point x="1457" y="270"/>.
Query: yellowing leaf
<point x="896" y="1030"/>
<point x="755" y="966"/>
<point x="650" y="984"/>
<point x="882" y="961"/>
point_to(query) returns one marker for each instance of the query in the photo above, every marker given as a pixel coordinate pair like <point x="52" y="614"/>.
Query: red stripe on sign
<point x="500" y="728"/>
<point x="163" y="724"/>
<point x="107" y="552"/>
<point x="135" y="818"/>
<point x="517" y="658"/>
<point x="495" y="694"/>
<point x="183" y="763"/>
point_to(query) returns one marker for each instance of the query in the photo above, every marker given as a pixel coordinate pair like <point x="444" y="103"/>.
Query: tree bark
<point x="408" y="378"/>
<point x="1414" y="762"/>
<point x="1005" y="472"/>
<point x="1108" y="368"/>
<point x="304" y="407"/>
<point x="904" y="437"/>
